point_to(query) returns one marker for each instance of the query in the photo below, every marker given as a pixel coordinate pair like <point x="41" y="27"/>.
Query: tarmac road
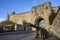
<point x="22" y="35"/>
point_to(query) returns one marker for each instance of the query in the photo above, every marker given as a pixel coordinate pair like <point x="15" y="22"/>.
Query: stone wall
<point x="56" y="25"/>
<point x="19" y="18"/>
<point x="41" y="11"/>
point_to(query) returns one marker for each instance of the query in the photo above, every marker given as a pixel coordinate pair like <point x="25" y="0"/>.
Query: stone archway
<point x="42" y="32"/>
<point x="40" y="23"/>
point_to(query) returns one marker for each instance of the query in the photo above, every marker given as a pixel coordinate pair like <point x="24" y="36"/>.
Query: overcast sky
<point x="19" y="6"/>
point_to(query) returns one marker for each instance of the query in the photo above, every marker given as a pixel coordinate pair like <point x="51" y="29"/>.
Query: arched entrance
<point x="40" y="23"/>
<point x="42" y="32"/>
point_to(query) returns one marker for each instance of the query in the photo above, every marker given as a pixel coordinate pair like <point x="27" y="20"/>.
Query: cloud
<point x="2" y="19"/>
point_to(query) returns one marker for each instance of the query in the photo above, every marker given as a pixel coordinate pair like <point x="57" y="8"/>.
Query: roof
<point x="7" y="23"/>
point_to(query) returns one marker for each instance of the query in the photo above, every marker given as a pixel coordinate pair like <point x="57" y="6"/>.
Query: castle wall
<point x="19" y="18"/>
<point x="43" y="11"/>
<point x="56" y="25"/>
<point x="40" y="11"/>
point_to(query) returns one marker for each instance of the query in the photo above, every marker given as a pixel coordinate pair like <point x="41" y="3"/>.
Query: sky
<point x="20" y="6"/>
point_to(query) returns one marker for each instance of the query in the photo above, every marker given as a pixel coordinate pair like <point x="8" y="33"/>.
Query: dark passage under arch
<point x="40" y="23"/>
